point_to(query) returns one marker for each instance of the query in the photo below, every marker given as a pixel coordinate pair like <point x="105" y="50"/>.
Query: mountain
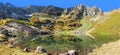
<point x="50" y="10"/>
<point x="81" y="27"/>
<point x="10" y="11"/>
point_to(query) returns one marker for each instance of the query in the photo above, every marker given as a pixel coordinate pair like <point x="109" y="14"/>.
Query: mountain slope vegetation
<point x="108" y="31"/>
<point x="57" y="29"/>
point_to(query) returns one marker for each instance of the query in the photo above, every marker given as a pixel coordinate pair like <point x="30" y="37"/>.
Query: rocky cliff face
<point x="80" y="11"/>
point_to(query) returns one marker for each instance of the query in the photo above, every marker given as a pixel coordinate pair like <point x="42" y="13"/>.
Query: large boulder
<point x="70" y="52"/>
<point x="27" y="49"/>
<point x="40" y="49"/>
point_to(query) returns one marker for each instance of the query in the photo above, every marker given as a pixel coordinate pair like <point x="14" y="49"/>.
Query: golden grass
<point x="12" y="51"/>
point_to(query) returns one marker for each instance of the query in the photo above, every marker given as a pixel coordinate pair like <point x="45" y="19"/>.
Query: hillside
<point x="108" y="26"/>
<point x="108" y="31"/>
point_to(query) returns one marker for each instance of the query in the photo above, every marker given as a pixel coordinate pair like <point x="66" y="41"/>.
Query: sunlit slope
<point x="111" y="25"/>
<point x="109" y="29"/>
<point x="112" y="48"/>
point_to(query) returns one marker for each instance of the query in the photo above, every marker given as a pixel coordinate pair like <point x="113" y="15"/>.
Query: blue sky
<point x="105" y="5"/>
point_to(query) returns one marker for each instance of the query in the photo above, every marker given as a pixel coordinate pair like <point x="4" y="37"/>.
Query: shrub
<point x="4" y="21"/>
<point x="34" y="19"/>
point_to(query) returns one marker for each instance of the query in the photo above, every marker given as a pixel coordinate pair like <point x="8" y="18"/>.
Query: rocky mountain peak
<point x="80" y="11"/>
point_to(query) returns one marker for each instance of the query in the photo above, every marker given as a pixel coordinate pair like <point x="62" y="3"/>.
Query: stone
<point x="70" y="52"/>
<point x="40" y="49"/>
<point x="27" y="49"/>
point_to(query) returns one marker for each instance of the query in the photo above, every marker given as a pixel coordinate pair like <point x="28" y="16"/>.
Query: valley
<point x="58" y="30"/>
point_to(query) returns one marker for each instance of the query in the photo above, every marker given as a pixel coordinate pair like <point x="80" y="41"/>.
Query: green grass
<point x="108" y="30"/>
<point x="112" y="24"/>
<point x="56" y="44"/>
<point x="105" y="32"/>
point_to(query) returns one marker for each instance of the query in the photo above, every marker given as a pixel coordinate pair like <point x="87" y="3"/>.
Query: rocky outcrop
<point x="16" y="28"/>
<point x="16" y="31"/>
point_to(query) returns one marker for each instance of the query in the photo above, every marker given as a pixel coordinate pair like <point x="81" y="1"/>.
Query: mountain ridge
<point x="10" y="11"/>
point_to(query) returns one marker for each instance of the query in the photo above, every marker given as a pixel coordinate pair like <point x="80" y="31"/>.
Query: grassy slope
<point x="112" y="25"/>
<point x="107" y="28"/>
<point x="108" y="31"/>
<point x="85" y="23"/>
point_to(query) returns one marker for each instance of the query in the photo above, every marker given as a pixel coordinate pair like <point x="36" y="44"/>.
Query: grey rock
<point x="70" y="52"/>
<point x="40" y="49"/>
<point x="16" y="30"/>
<point x="27" y="49"/>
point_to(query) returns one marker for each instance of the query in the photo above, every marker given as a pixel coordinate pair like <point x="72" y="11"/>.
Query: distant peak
<point x="9" y="4"/>
<point x="1" y="3"/>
